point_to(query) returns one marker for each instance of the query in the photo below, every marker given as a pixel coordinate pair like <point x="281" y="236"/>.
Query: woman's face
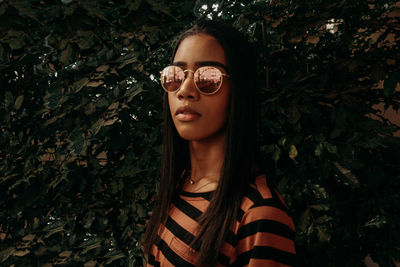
<point x="196" y="116"/>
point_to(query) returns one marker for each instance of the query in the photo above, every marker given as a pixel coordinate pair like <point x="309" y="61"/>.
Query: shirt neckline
<point x="205" y="195"/>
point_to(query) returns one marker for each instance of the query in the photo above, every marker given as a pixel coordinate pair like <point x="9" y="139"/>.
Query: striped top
<point x="262" y="235"/>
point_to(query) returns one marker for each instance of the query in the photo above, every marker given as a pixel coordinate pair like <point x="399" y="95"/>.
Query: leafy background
<point x="80" y="115"/>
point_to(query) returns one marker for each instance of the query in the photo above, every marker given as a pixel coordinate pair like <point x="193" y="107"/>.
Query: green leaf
<point x="116" y="92"/>
<point x="350" y="177"/>
<point x="101" y="102"/>
<point x="6" y="253"/>
<point x="21" y="253"/>
<point x="110" y="121"/>
<point x="113" y="106"/>
<point x="78" y="85"/>
<point x="84" y="39"/>
<point x="330" y="147"/>
<point x="15" y="39"/>
<point x="25" y="9"/>
<point x="3" y="9"/>
<point x="267" y="148"/>
<point x="9" y="98"/>
<point x="114" y="256"/>
<point x="134" y="5"/>
<point x="160" y="7"/>
<point x="276" y="154"/>
<point x="282" y="141"/>
<point x="390" y="84"/>
<point x="96" y="126"/>
<point x="319" y="138"/>
<point x="293" y="115"/>
<point x="318" y="150"/>
<point x="323" y="236"/>
<point x="304" y="222"/>
<point x="95" y="83"/>
<point x="29" y="237"/>
<point x="293" y="152"/>
<point x="134" y="92"/>
<point x="128" y="59"/>
<point x="53" y="228"/>
<point x="66" y="55"/>
<point x="377" y="222"/>
<point x="66" y="253"/>
<point x="90" y="244"/>
<point x="3" y="54"/>
<point x="90" y="108"/>
<point x="141" y="211"/>
<point x="90" y="263"/>
<point x="102" y="68"/>
<point x="320" y="207"/>
<point x="88" y="219"/>
<point x="18" y="102"/>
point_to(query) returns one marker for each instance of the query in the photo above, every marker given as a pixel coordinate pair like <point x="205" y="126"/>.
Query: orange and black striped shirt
<point x="262" y="235"/>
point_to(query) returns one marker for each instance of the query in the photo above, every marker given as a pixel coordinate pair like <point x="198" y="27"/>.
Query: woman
<point x="214" y="206"/>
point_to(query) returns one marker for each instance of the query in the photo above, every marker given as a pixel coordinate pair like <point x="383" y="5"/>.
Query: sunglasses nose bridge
<point x="187" y="75"/>
<point x="188" y="86"/>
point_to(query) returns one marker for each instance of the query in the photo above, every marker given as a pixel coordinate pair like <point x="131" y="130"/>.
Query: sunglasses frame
<point x="194" y="71"/>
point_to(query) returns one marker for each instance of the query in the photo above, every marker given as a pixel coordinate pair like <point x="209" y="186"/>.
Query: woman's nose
<point x="188" y="88"/>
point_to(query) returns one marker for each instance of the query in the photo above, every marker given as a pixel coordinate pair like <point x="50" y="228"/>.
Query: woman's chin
<point x="188" y="136"/>
<point x="191" y="135"/>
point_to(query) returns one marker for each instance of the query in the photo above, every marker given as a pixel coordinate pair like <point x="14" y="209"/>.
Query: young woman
<point x="214" y="206"/>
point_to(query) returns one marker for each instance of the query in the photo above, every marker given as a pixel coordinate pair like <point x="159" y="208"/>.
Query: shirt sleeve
<point x="266" y="237"/>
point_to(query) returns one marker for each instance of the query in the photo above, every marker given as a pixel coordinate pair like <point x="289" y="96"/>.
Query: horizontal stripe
<point x="171" y="256"/>
<point x="266" y="253"/>
<point x="266" y="226"/>
<point x="272" y="202"/>
<point x="184" y="220"/>
<point x="152" y="261"/>
<point x="267" y="213"/>
<point x="181" y="233"/>
<point x="205" y="195"/>
<point x="187" y="208"/>
<point x="223" y="259"/>
<point x="240" y="215"/>
<point x="254" y="195"/>
<point x="230" y="238"/>
<point x="199" y="203"/>
<point x="266" y="240"/>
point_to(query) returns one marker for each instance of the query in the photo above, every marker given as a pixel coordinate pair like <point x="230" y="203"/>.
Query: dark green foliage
<point x="80" y="124"/>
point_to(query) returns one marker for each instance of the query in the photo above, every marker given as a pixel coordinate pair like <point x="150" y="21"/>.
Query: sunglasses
<point x="207" y="79"/>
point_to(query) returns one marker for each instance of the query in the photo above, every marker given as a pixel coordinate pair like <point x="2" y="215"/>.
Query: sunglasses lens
<point x="208" y="79"/>
<point x="171" y="78"/>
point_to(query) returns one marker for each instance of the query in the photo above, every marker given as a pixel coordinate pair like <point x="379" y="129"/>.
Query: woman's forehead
<point x="198" y="48"/>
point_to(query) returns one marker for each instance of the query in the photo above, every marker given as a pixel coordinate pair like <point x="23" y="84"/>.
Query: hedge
<point x="80" y="122"/>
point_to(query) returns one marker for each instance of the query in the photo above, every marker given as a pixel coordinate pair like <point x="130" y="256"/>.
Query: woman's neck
<point x="206" y="158"/>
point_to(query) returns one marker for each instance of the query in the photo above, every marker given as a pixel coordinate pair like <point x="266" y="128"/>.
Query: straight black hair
<point x="240" y="160"/>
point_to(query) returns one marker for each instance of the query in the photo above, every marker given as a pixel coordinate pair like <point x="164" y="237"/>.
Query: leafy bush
<point x="80" y="124"/>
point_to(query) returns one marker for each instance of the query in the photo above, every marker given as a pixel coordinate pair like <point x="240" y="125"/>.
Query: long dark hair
<point x="240" y="147"/>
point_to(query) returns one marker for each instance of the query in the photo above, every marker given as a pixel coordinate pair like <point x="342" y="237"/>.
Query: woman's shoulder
<point x="264" y="231"/>
<point x="263" y="202"/>
<point x="261" y="192"/>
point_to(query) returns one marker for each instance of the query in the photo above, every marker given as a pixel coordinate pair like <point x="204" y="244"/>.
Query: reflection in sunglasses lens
<point x="171" y="78"/>
<point x="207" y="79"/>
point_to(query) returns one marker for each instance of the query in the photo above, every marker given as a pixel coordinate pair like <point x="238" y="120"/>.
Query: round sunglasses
<point x="207" y="79"/>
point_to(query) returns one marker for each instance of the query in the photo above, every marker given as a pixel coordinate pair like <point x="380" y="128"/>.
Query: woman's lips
<point x="186" y="114"/>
